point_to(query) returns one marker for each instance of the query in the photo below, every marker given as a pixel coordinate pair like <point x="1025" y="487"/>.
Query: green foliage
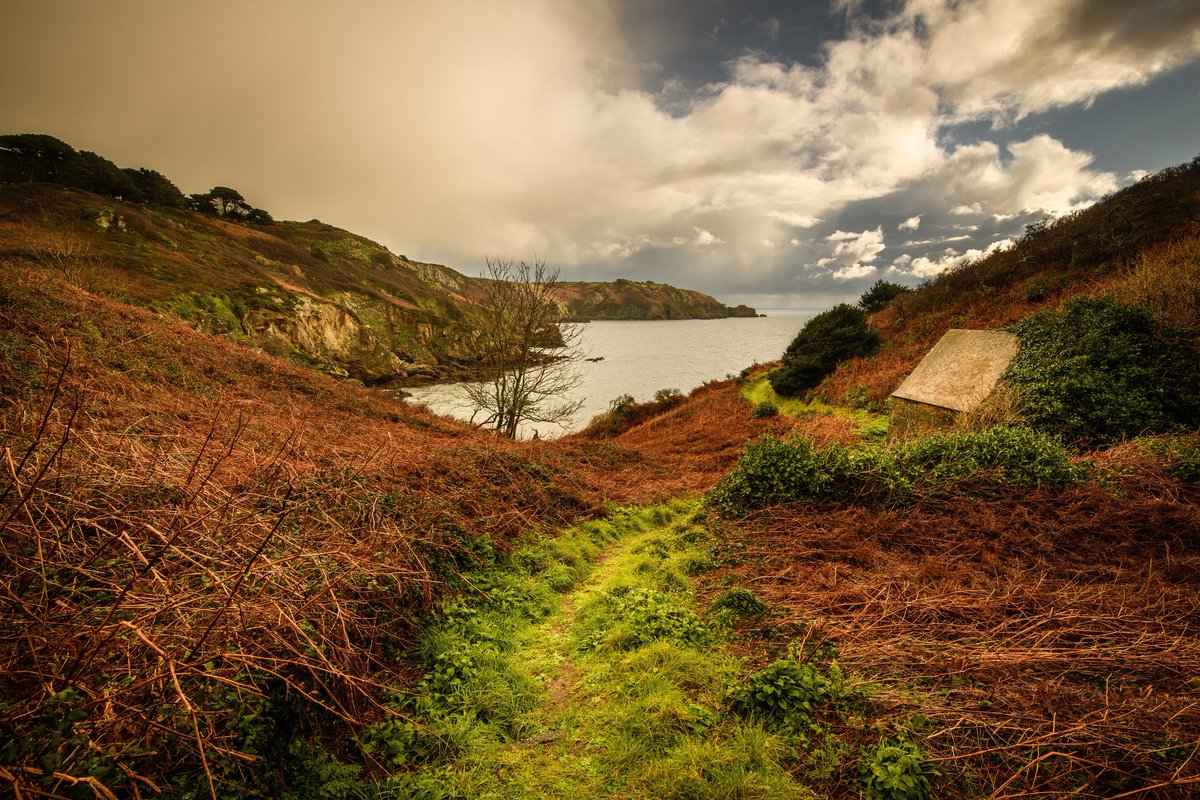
<point x="773" y="470"/>
<point x="784" y="695"/>
<point x="1014" y="456"/>
<point x="897" y="770"/>
<point x="624" y="412"/>
<point x="31" y="157"/>
<point x="635" y="617"/>
<point x="750" y="763"/>
<point x="825" y="341"/>
<point x="764" y="410"/>
<point x="1098" y="371"/>
<point x="740" y="601"/>
<point x="1182" y="454"/>
<point x="881" y="295"/>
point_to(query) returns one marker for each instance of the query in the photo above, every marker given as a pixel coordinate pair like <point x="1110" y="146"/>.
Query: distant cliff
<point x="626" y="299"/>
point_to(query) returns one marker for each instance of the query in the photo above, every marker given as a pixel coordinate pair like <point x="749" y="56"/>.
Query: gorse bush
<point x="1099" y="371"/>
<point x="1005" y="455"/>
<point x="825" y="341"/>
<point x="773" y="470"/>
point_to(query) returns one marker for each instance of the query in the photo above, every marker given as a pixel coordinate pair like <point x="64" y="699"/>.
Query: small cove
<point x="639" y="357"/>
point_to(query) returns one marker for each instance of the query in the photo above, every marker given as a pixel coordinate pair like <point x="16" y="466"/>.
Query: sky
<point x="783" y="154"/>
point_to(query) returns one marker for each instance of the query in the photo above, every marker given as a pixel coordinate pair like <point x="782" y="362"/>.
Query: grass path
<point x="586" y="673"/>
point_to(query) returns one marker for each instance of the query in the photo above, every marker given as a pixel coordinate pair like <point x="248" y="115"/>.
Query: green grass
<point x="757" y="389"/>
<point x="586" y="672"/>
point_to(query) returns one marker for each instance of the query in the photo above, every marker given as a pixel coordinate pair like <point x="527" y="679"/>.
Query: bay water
<point x="640" y="357"/>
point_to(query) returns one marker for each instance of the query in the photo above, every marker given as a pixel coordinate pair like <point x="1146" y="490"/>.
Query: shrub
<point x="880" y="296"/>
<point x="624" y="412"/>
<point x="1099" y="370"/>
<point x="897" y="771"/>
<point x="764" y="410"/>
<point x="773" y="471"/>
<point x="1017" y="456"/>
<point x="825" y="341"/>
<point x="785" y="694"/>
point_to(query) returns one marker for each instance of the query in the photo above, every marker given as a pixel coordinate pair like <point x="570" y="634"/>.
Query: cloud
<point x="925" y="267"/>
<point x="455" y="131"/>
<point x="852" y="253"/>
<point x="794" y="220"/>
<point x="1006" y="59"/>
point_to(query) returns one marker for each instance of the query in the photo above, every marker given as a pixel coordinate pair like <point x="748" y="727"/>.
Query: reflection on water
<point x="641" y="357"/>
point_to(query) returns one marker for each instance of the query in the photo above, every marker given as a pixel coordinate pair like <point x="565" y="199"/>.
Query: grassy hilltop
<point x="223" y="574"/>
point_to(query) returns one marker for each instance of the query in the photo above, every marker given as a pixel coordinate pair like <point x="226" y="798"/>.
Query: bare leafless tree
<point x="530" y="354"/>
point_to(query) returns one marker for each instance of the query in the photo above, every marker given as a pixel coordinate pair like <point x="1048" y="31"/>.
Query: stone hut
<point x="955" y="376"/>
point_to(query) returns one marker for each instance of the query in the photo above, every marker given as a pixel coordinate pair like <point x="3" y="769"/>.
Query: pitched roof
<point x="961" y="369"/>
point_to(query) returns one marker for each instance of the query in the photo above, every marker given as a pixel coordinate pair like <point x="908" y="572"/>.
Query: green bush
<point x="764" y="410"/>
<point x="1099" y="371"/>
<point x="825" y="341"/>
<point x="881" y="295"/>
<point x="1018" y="456"/>
<point x="773" y="470"/>
<point x="784" y="695"/>
<point x="897" y="770"/>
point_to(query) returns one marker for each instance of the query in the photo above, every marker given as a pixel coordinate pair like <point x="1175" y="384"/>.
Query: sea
<point x="640" y="357"/>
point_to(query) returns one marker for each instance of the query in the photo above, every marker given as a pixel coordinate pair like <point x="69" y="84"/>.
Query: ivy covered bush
<point x="1098" y="371"/>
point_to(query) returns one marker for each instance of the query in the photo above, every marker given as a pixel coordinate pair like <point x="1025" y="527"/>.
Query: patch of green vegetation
<point x="757" y="390"/>
<point x="825" y="341"/>
<point x="773" y="470"/>
<point x="1098" y="371"/>
<point x="224" y="312"/>
<point x="618" y="690"/>
<point x="897" y="770"/>
<point x="1181" y="453"/>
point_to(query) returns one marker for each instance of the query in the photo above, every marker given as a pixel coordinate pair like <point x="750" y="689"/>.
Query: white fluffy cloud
<point x="925" y="267"/>
<point x="852" y="253"/>
<point x="910" y="224"/>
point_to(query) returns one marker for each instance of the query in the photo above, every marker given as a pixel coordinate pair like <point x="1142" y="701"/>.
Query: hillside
<point x="316" y="293"/>
<point x="1140" y="244"/>
<point x="223" y="574"/>
<point x="626" y="299"/>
